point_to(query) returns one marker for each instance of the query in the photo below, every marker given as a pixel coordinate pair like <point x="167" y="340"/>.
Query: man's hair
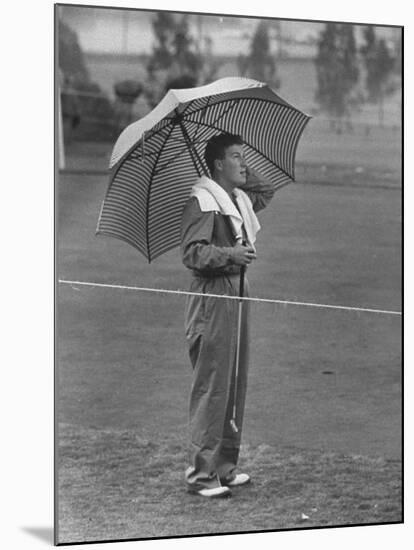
<point x="216" y="148"/>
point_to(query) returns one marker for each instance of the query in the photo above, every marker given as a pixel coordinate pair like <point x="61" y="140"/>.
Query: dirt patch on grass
<point x="116" y="484"/>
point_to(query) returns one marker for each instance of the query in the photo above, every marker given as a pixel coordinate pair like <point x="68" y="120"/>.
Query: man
<point x="218" y="219"/>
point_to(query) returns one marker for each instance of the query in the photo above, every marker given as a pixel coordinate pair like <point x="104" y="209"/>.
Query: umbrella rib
<point x="172" y="159"/>
<point x="221" y="115"/>
<point x="149" y="189"/>
<point x="204" y="113"/>
<point x="193" y="139"/>
<point x="193" y="153"/>
<point x="189" y="140"/>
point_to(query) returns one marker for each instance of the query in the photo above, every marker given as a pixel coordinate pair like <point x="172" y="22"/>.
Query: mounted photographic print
<point x="228" y="274"/>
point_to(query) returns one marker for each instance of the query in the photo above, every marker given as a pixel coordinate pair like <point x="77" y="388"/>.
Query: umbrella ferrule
<point x="178" y="118"/>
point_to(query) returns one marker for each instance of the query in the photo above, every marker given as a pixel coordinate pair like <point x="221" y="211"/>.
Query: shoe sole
<point x="226" y="494"/>
<point x="230" y="484"/>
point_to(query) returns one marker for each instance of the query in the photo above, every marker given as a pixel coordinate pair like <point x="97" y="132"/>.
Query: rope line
<point x="244" y="298"/>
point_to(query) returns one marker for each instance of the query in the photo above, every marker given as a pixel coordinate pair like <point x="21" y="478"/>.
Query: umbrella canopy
<point x="157" y="159"/>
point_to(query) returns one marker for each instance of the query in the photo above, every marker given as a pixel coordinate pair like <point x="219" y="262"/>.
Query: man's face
<point x="232" y="168"/>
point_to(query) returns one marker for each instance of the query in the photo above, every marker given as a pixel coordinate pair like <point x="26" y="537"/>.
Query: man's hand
<point x="243" y="255"/>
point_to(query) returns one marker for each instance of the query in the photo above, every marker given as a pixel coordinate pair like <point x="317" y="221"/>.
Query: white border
<point x="27" y="220"/>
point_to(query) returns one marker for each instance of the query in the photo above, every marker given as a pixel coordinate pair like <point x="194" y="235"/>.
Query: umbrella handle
<point x="241" y="285"/>
<point x="242" y="273"/>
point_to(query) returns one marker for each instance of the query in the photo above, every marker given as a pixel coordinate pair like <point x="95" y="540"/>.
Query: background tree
<point x="398" y="55"/>
<point x="337" y="72"/>
<point x="163" y="25"/>
<point x="327" y="93"/>
<point x="260" y="63"/>
<point x="175" y="61"/>
<point x="86" y="111"/>
<point x="379" y="65"/>
<point x="70" y="55"/>
<point x="186" y="58"/>
<point x="350" y="71"/>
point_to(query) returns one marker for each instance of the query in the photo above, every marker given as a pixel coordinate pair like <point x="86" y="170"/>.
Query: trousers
<point x="211" y="331"/>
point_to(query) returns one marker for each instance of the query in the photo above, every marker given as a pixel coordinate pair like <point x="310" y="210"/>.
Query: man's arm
<point x="259" y="189"/>
<point x="198" y="252"/>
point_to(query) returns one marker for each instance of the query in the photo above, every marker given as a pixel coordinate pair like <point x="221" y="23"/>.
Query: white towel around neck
<point x="212" y="197"/>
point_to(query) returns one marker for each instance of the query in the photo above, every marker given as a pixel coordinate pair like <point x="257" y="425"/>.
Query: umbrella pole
<point x="193" y="151"/>
<point x="239" y="323"/>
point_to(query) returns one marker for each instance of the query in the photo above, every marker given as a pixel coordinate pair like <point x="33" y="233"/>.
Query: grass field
<point x="322" y="434"/>
<point x="118" y="484"/>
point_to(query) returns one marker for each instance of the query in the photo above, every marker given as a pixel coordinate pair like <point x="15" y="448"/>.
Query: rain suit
<point x="207" y="241"/>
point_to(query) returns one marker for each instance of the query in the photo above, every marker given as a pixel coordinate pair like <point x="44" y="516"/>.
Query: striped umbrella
<point x="156" y="160"/>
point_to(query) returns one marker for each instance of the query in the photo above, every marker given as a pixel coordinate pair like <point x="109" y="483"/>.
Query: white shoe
<point x="240" y="479"/>
<point x="216" y="492"/>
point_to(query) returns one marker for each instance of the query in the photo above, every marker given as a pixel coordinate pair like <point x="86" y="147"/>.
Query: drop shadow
<point x="43" y="533"/>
